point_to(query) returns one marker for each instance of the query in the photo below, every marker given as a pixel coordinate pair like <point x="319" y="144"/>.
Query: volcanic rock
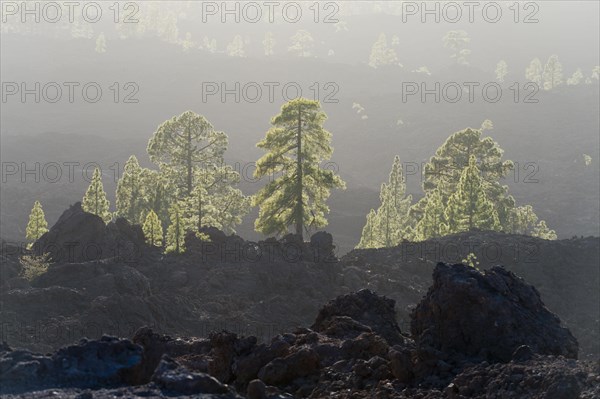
<point x="487" y="315"/>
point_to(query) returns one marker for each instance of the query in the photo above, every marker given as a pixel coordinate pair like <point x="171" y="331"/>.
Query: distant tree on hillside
<point x="381" y="54"/>
<point x="152" y="228"/>
<point x="576" y="78"/>
<point x="392" y="222"/>
<point x="94" y="200"/>
<point x="158" y="194"/>
<point x="209" y="45"/>
<point x="469" y="207"/>
<point x="370" y="237"/>
<point x="486" y="125"/>
<point x="501" y="70"/>
<point x="596" y="72"/>
<point x="192" y="172"/>
<point x="534" y="71"/>
<point x="101" y="43"/>
<point x="269" y="44"/>
<point x="176" y="231"/>
<point x="444" y="169"/>
<point x="37" y="225"/>
<point x="236" y="47"/>
<point x="553" y="73"/>
<point x="457" y="41"/>
<point x="183" y="144"/>
<point x="296" y="144"/>
<point x="543" y="231"/>
<point x="452" y="191"/>
<point x="525" y="221"/>
<point x="187" y="43"/>
<point x="215" y="200"/>
<point x="130" y="192"/>
<point x="302" y="44"/>
<point x="433" y="219"/>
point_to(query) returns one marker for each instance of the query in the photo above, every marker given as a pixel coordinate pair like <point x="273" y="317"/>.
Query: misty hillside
<point x="327" y="199"/>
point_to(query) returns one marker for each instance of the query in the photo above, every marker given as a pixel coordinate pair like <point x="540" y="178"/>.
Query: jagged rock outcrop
<point x="79" y="236"/>
<point x="487" y="315"/>
<point x="366" y="308"/>
<point x="220" y="248"/>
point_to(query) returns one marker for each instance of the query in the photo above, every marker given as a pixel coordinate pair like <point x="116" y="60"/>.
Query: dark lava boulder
<point x="175" y="378"/>
<point x="487" y="315"/>
<point x="364" y="307"/>
<point x="105" y="362"/>
<point x="79" y="236"/>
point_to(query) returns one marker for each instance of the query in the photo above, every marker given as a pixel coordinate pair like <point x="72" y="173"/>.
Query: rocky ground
<point x="105" y="281"/>
<point x="354" y="349"/>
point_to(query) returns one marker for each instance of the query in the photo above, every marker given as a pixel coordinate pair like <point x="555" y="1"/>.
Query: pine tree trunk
<point x="177" y="233"/>
<point x="200" y="211"/>
<point x="300" y="188"/>
<point x="189" y="160"/>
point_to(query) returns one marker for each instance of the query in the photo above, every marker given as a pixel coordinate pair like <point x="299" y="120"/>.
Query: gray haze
<point x="169" y="66"/>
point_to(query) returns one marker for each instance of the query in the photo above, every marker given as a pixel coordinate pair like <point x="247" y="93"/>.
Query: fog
<point x="65" y="99"/>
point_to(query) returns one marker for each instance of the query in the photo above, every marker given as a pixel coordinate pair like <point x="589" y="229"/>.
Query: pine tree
<point x="176" y="231"/>
<point x="37" y="225"/>
<point x="457" y="41"/>
<point x="152" y="229"/>
<point x="526" y="222"/>
<point x="523" y="219"/>
<point x="387" y="218"/>
<point x="542" y="231"/>
<point x="402" y="201"/>
<point x="302" y="43"/>
<point x="158" y="194"/>
<point x="501" y="70"/>
<point x="576" y="78"/>
<point x="187" y="44"/>
<point x="183" y="144"/>
<point x="552" y="75"/>
<point x="130" y="192"/>
<point x="209" y="44"/>
<point x="432" y="223"/>
<point x="533" y="72"/>
<point x="101" y="43"/>
<point x="469" y="207"/>
<point x="215" y="201"/>
<point x="236" y="47"/>
<point x="444" y="169"/>
<point x="381" y="54"/>
<point x="370" y="236"/>
<point x="95" y="200"/>
<point x="393" y="220"/>
<point x="269" y="44"/>
<point x="296" y="144"/>
<point x="596" y="73"/>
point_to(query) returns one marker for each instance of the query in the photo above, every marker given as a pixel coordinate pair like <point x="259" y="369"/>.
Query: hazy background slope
<point x="547" y="139"/>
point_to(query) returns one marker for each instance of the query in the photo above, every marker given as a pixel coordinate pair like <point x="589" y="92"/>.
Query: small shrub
<point x="34" y="265"/>
<point x="471" y="260"/>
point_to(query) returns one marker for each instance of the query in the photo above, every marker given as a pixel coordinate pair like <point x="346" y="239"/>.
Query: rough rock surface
<point x="221" y="287"/>
<point x="345" y="359"/>
<point x="272" y="290"/>
<point x="79" y="236"/>
<point x="364" y="307"/>
<point x="488" y="315"/>
<point x="105" y="362"/>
